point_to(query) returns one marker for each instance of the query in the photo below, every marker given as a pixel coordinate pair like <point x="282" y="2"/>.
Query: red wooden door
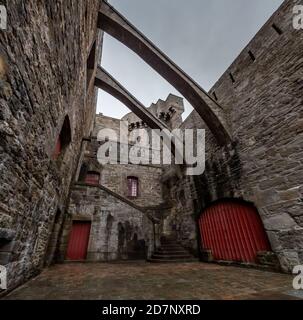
<point x="233" y="232"/>
<point x="78" y="241"/>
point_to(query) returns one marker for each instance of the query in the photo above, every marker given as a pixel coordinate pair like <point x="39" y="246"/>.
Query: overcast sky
<point x="202" y="36"/>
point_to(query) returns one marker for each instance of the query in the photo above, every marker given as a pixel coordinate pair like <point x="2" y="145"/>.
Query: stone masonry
<point x="264" y="165"/>
<point x="48" y="140"/>
<point x="45" y="79"/>
<point x="118" y="227"/>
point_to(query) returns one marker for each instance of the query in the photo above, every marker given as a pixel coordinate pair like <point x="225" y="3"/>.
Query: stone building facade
<point x="123" y="226"/>
<point x="261" y="93"/>
<point x="48" y="128"/>
<point x="49" y="57"/>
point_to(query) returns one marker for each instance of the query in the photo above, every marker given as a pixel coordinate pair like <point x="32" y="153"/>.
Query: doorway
<point x="78" y="241"/>
<point x="233" y="231"/>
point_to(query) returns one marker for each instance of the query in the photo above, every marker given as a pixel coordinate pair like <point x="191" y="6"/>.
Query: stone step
<point x="171" y="257"/>
<point x="171" y="246"/>
<point x="169" y="252"/>
<point x="172" y="261"/>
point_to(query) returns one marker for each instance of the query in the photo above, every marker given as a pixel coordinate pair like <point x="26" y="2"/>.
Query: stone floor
<point x="140" y="280"/>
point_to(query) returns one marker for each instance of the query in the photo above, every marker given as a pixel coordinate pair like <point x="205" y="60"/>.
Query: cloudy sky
<point x="202" y="36"/>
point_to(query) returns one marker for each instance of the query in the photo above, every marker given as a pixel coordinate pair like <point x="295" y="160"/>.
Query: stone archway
<point x="113" y="23"/>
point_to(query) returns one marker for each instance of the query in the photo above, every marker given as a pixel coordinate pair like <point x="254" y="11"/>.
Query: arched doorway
<point x="233" y="231"/>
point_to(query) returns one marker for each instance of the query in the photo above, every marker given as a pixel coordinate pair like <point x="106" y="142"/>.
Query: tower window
<point x="133" y="184"/>
<point x="232" y="78"/>
<point x="252" y="56"/>
<point x="277" y="29"/>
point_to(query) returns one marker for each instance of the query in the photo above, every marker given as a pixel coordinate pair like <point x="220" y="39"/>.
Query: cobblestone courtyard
<point x="140" y="280"/>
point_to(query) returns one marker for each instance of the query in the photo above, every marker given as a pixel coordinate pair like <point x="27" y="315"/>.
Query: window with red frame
<point x="92" y="178"/>
<point x="133" y="184"/>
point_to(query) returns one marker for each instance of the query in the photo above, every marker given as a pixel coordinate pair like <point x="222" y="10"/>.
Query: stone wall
<point x="264" y="164"/>
<point x="43" y="56"/>
<point x="118" y="231"/>
<point x="120" y="228"/>
<point x="150" y="192"/>
<point x="114" y="176"/>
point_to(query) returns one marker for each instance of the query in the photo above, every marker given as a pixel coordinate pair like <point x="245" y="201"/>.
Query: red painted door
<point x="233" y="232"/>
<point x="78" y="241"/>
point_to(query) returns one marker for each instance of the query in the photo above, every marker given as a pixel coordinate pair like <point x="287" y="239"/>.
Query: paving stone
<point x="141" y="280"/>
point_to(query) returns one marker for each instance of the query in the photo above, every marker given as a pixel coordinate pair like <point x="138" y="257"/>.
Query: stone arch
<point x="232" y="229"/>
<point x="113" y="23"/>
<point x="107" y="83"/>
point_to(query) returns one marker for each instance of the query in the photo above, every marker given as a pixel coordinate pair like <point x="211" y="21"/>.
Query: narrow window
<point x="252" y="56"/>
<point x="63" y="140"/>
<point x="215" y="95"/>
<point x="133" y="183"/>
<point x="232" y="78"/>
<point x="92" y="178"/>
<point x="277" y="29"/>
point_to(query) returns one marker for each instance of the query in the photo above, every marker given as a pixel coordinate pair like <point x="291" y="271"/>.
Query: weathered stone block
<point x="207" y="256"/>
<point x="279" y="222"/>
<point x="268" y="259"/>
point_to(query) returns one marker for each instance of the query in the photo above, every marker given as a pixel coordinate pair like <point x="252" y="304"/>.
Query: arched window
<point x="133" y="186"/>
<point x="64" y="138"/>
<point x="92" y="178"/>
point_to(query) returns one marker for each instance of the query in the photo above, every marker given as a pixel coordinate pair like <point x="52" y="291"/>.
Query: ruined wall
<point x="264" y="165"/>
<point x="45" y="51"/>
<point x="118" y="231"/>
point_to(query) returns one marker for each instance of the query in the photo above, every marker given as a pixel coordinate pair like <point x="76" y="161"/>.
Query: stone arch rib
<point x="107" y="83"/>
<point x="113" y="23"/>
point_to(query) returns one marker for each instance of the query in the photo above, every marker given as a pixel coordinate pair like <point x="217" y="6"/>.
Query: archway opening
<point x="232" y="230"/>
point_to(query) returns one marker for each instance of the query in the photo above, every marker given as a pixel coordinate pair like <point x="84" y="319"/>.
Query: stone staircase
<point x="171" y="252"/>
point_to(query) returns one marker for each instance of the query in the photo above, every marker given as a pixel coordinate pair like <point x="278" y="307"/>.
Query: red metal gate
<point x="233" y="232"/>
<point x="78" y="241"/>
